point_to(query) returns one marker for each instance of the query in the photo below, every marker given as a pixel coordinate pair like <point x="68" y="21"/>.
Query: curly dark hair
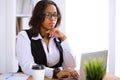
<point x="37" y="16"/>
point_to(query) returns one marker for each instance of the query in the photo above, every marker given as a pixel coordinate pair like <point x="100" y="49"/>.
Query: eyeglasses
<point x="49" y="16"/>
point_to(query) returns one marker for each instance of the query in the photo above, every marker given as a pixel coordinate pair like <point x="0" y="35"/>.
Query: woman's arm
<point x="68" y="57"/>
<point x="24" y="56"/>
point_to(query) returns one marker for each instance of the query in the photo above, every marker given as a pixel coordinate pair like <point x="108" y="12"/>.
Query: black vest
<point x="38" y="52"/>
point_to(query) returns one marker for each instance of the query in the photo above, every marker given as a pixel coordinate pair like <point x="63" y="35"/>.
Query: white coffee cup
<point x="38" y="72"/>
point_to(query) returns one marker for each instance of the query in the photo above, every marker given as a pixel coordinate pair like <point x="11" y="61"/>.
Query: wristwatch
<point x="55" y="71"/>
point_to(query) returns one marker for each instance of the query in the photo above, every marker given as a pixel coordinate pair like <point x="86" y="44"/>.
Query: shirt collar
<point x="39" y="37"/>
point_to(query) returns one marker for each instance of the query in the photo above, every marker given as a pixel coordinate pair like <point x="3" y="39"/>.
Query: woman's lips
<point x="52" y="24"/>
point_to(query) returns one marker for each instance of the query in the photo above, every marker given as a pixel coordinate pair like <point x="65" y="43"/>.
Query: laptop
<point x="88" y="56"/>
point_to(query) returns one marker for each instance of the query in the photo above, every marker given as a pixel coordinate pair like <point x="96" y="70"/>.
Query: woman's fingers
<point x="57" y="33"/>
<point x="52" y="32"/>
<point x="68" y="72"/>
<point x="74" y="74"/>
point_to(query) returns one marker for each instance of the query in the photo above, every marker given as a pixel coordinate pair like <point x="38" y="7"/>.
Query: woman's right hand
<point x="56" y="32"/>
<point x="67" y="72"/>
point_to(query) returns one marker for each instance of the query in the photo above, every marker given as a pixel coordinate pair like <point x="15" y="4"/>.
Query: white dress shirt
<point x="26" y="60"/>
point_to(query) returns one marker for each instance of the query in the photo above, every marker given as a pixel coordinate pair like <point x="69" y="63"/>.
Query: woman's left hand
<point x="68" y="72"/>
<point x="57" y="33"/>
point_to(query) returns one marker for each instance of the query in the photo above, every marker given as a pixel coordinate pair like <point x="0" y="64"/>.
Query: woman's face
<point x="50" y="17"/>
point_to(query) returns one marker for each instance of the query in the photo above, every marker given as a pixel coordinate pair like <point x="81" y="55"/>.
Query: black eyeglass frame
<point x="49" y="15"/>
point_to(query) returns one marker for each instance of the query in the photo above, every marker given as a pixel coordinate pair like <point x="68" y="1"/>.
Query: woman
<point x="45" y="44"/>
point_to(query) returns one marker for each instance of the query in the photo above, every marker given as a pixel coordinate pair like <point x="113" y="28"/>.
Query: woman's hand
<point x="57" y="33"/>
<point x="68" y="72"/>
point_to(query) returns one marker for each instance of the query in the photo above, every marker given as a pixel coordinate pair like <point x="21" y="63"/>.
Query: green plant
<point x="94" y="69"/>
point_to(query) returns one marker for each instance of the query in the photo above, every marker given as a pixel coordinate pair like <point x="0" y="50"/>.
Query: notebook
<point x="88" y="56"/>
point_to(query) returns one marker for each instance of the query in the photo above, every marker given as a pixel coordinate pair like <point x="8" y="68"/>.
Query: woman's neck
<point x="44" y="34"/>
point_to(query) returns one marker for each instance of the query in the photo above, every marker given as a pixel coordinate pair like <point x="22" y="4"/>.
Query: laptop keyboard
<point x="70" y="79"/>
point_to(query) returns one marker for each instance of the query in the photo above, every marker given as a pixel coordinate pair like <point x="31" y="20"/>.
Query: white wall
<point x="2" y="35"/>
<point x="61" y="4"/>
<point x="10" y="35"/>
<point x="7" y="36"/>
<point x="112" y="36"/>
<point x="117" y="39"/>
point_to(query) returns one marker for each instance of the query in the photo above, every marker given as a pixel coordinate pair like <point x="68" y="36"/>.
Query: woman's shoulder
<point x="22" y="33"/>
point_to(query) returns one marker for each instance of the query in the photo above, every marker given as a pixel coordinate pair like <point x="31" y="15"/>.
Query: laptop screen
<point x="90" y="55"/>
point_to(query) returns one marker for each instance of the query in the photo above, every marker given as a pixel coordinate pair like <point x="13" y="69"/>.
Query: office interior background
<point x="91" y="25"/>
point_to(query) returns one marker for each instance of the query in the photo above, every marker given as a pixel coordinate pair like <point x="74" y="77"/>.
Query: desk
<point x="30" y="78"/>
<point x="108" y="76"/>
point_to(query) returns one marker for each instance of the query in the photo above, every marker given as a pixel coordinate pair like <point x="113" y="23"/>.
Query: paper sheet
<point x="14" y="76"/>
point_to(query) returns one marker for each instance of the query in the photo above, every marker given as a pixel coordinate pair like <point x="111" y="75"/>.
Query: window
<point x="87" y="25"/>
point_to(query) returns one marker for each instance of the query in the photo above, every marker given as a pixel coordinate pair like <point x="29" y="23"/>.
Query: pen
<point x="9" y="76"/>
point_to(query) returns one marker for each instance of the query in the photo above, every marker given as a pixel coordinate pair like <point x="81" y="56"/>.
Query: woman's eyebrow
<point x="50" y="12"/>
